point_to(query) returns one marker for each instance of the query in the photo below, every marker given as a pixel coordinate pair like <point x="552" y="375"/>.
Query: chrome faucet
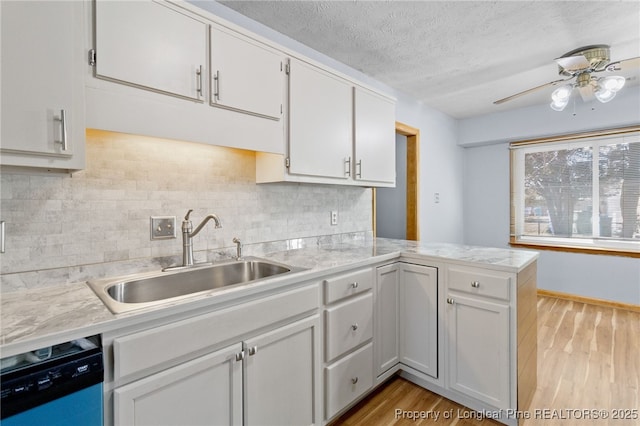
<point x="187" y="235"/>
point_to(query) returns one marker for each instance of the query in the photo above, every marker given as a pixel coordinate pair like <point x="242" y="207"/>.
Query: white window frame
<point x="593" y="245"/>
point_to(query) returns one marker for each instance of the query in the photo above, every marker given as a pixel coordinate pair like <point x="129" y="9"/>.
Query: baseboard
<point x="589" y="300"/>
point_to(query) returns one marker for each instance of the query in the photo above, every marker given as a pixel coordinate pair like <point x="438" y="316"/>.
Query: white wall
<point x="486" y="195"/>
<point x="441" y="165"/>
<point x="441" y="158"/>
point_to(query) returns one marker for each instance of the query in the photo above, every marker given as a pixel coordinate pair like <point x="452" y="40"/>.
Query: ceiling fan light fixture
<point x="559" y="105"/>
<point x="604" y="95"/>
<point x="561" y="94"/>
<point x="612" y="83"/>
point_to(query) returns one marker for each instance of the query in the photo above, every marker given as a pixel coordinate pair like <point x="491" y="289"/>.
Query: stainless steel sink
<point x="149" y="289"/>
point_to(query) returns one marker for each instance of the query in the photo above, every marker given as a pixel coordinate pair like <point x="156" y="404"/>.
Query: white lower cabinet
<point x="479" y="345"/>
<point x="348" y="379"/>
<point x="280" y="376"/>
<point x="386" y="340"/>
<point x="207" y="390"/>
<point x="252" y="363"/>
<point x="478" y="348"/>
<point x="418" y="308"/>
<point x="348" y="333"/>
<point x="266" y="380"/>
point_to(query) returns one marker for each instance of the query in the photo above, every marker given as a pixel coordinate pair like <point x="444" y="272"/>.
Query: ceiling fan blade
<point x="623" y="65"/>
<point x="573" y="63"/>
<point x="533" y="89"/>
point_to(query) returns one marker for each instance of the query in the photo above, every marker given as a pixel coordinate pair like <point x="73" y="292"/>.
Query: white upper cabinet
<point x="339" y="132"/>
<point x="148" y="44"/>
<point x="320" y="122"/>
<point x="374" y="137"/>
<point x="42" y="85"/>
<point x="245" y="75"/>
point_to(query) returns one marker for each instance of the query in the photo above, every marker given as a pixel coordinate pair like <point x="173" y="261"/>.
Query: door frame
<point x="413" y="161"/>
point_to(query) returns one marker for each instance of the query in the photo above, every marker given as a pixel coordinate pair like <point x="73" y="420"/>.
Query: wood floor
<point x="588" y="359"/>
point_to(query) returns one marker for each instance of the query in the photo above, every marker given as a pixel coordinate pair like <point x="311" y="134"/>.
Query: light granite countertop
<point x="35" y="318"/>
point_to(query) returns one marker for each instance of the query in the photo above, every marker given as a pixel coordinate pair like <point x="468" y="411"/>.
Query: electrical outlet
<point x="436" y="197"/>
<point x="163" y="227"/>
<point x="334" y="217"/>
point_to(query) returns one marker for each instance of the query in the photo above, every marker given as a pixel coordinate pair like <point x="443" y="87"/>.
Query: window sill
<point x="573" y="247"/>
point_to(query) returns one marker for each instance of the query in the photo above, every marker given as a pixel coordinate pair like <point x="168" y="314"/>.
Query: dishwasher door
<point x="57" y="386"/>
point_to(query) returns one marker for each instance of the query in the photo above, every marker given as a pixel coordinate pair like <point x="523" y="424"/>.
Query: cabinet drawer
<point x="480" y="281"/>
<point x="347" y="379"/>
<point x="341" y="286"/>
<point x="348" y="325"/>
<point x="153" y="349"/>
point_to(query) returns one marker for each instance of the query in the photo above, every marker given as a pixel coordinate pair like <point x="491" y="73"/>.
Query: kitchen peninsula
<point x="412" y="308"/>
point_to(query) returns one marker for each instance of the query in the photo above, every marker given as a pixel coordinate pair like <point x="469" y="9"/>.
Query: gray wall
<point x="487" y="202"/>
<point x="391" y="203"/>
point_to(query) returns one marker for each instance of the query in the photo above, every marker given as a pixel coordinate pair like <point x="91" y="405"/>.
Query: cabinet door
<point x="386" y="318"/>
<point x="281" y="376"/>
<point x="478" y="349"/>
<point x="41" y="76"/>
<point x="375" y="137"/>
<point x="320" y="122"/>
<point x="419" y="318"/>
<point x="245" y="75"/>
<point x="204" y="391"/>
<point x="134" y="45"/>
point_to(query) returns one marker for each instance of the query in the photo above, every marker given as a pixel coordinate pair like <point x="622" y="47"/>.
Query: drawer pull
<point x="450" y="300"/>
<point x="253" y="350"/>
<point x="240" y="356"/>
<point x="354" y="380"/>
<point x="475" y="284"/>
<point x="354" y="327"/>
<point x="354" y="284"/>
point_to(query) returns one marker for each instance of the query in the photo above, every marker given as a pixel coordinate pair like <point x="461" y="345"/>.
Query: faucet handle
<point x="188" y="213"/>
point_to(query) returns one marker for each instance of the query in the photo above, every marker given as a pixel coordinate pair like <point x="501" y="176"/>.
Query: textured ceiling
<point x="456" y="56"/>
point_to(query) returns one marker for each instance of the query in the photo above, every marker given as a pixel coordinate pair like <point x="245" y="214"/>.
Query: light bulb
<point x="612" y="83"/>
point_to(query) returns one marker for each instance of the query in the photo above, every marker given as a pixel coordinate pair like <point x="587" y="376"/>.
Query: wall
<point x="391" y="203"/>
<point x="101" y="214"/>
<point x="486" y="218"/>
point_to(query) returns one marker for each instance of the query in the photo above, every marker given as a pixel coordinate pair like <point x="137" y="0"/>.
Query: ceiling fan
<point x="580" y="64"/>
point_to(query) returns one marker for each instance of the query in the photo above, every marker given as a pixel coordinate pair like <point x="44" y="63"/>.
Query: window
<point x="578" y="193"/>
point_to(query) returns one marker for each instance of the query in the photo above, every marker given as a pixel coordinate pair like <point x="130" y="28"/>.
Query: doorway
<point x="387" y="216"/>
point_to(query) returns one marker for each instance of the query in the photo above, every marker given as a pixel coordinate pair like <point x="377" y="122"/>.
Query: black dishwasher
<point x="58" y="386"/>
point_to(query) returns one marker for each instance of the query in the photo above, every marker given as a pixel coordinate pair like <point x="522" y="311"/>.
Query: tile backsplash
<point x="101" y="214"/>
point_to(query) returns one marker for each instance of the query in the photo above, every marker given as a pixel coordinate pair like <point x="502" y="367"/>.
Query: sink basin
<point x="149" y="289"/>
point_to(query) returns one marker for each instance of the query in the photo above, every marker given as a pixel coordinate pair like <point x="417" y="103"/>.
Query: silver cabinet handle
<point x="216" y="85"/>
<point x="2" y="236"/>
<point x="354" y="380"/>
<point x="475" y="284"/>
<point x="354" y="284"/>
<point x="63" y="130"/>
<point x="253" y="350"/>
<point x="347" y="163"/>
<point x="240" y="356"/>
<point x="359" y="171"/>
<point x="199" y="81"/>
<point x="450" y="300"/>
<point x="354" y="327"/>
